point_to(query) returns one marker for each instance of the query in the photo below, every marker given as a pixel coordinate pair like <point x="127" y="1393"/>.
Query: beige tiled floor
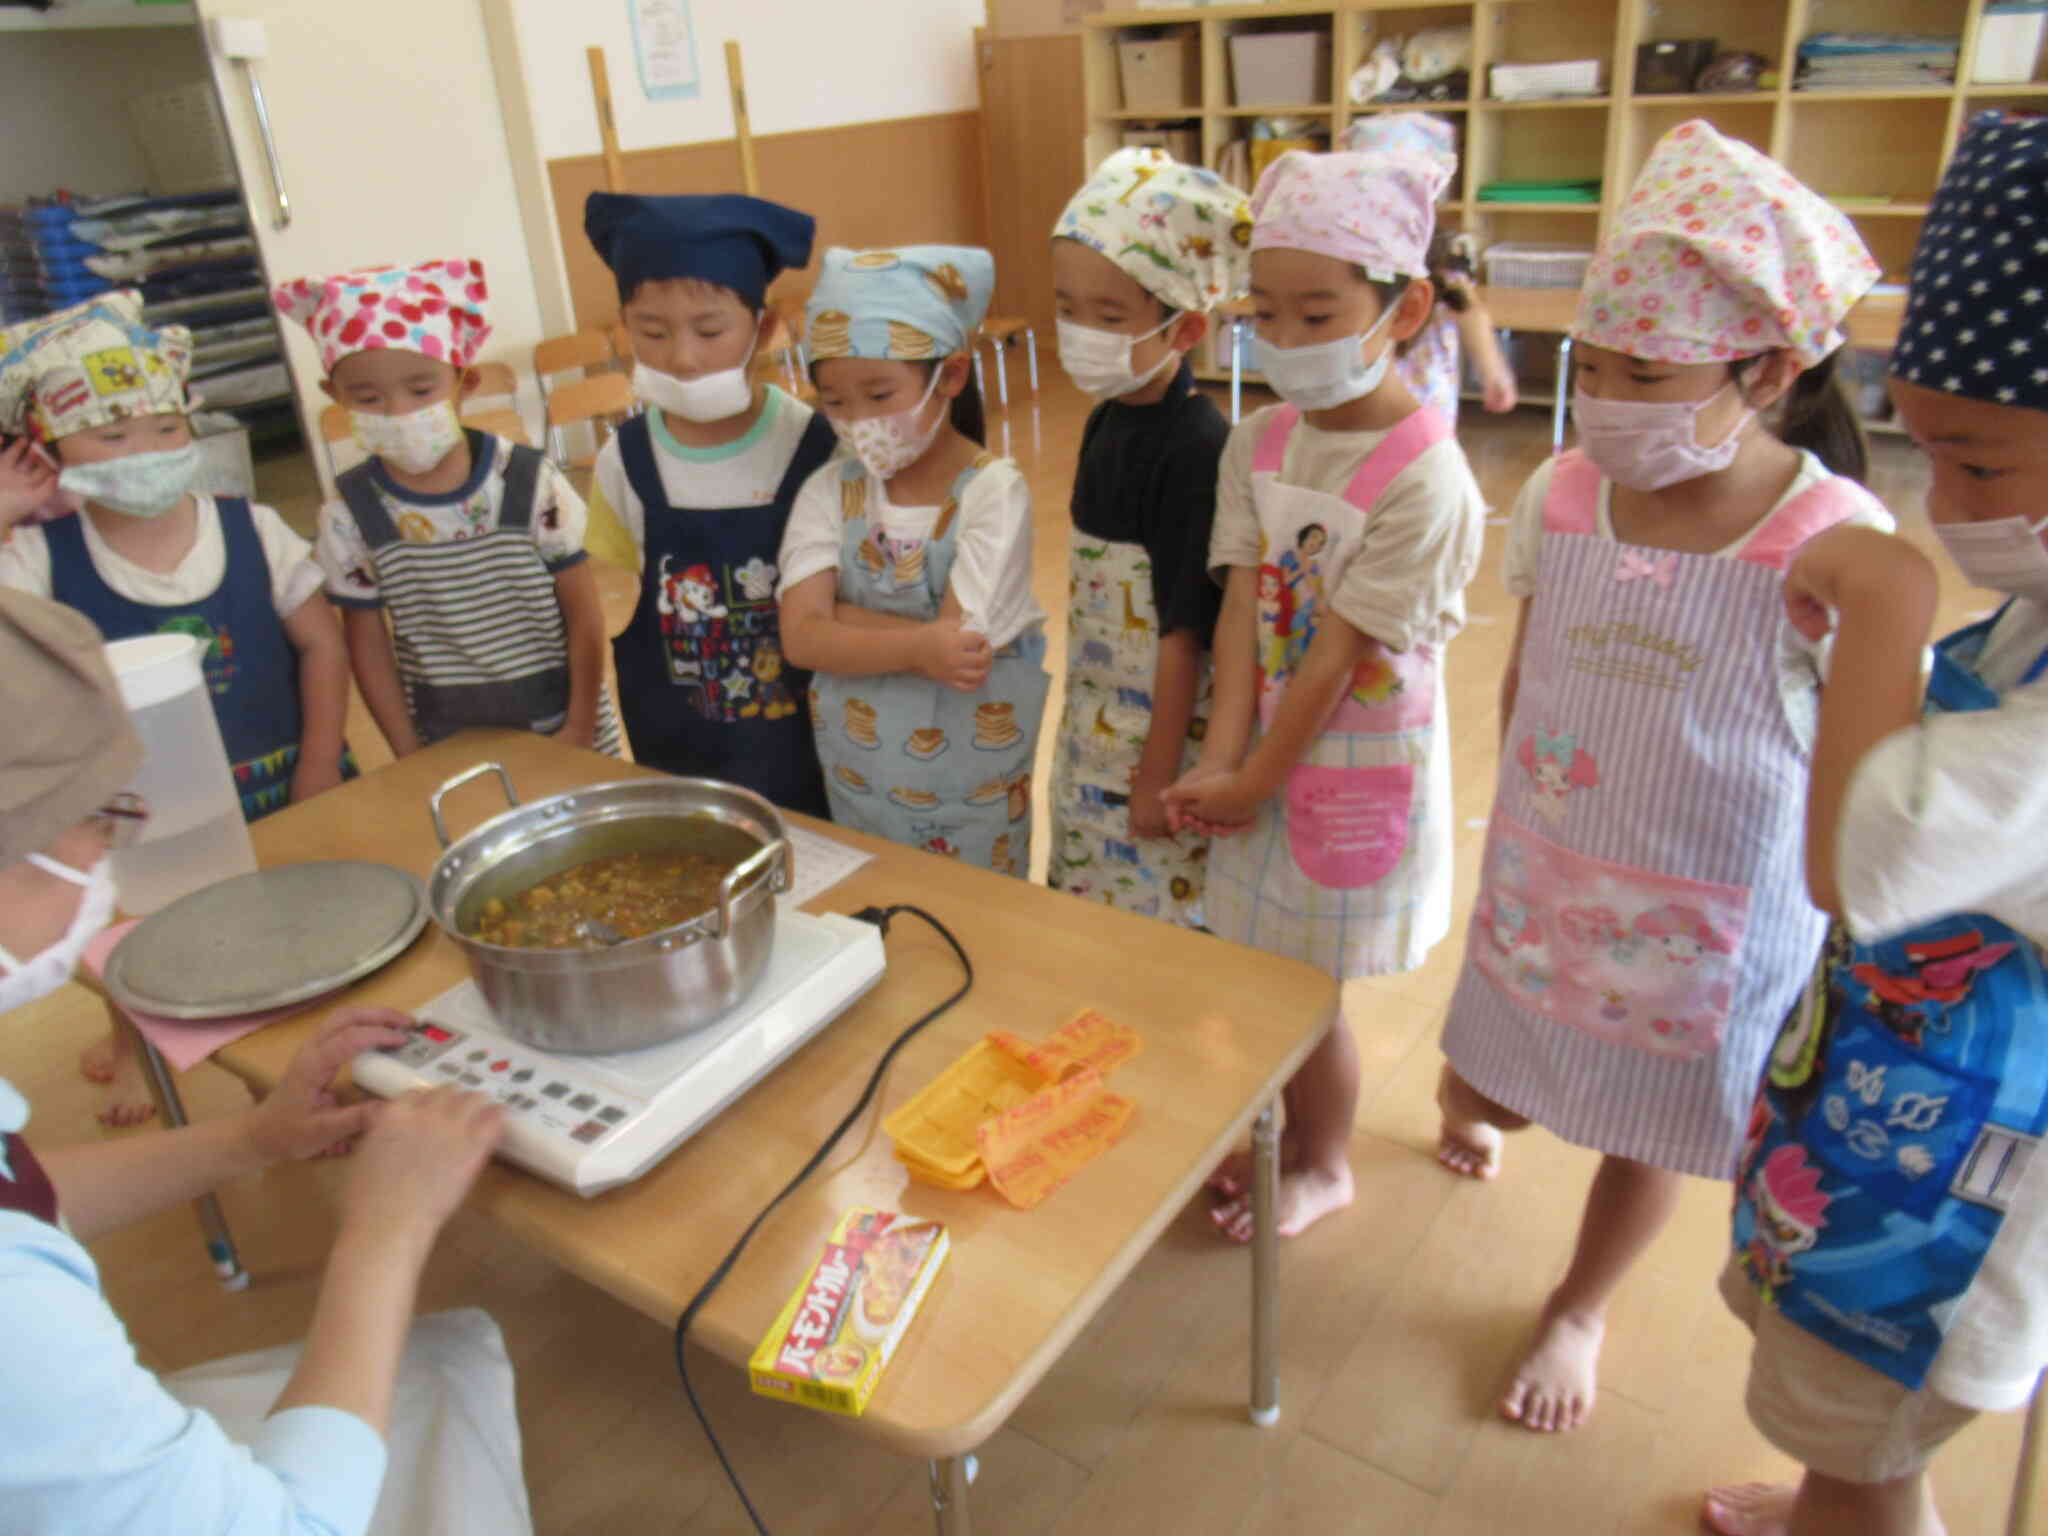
<point x="1400" y="1318"/>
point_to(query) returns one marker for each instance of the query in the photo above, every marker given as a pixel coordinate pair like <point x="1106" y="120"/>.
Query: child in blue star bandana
<point x="1891" y="1218"/>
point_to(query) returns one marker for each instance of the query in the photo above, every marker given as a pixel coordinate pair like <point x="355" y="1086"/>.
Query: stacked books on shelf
<point x="1876" y="61"/>
<point x="193" y="259"/>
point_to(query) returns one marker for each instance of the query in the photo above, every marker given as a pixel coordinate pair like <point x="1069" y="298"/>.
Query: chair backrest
<point x="622" y="343"/>
<point x="559" y="354"/>
<point x="494" y="381"/>
<point x="335" y="426"/>
<point x="600" y="396"/>
<point x="506" y="424"/>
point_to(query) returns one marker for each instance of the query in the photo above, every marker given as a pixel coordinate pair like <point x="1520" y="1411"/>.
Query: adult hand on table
<point x="303" y="1116"/>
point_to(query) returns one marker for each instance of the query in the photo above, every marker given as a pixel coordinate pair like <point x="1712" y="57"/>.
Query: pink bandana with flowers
<point x="1375" y="209"/>
<point x="435" y="308"/>
<point x="1720" y="253"/>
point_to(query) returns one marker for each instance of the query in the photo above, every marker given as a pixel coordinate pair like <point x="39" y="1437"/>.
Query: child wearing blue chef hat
<point x="695" y="492"/>
<point x="906" y="570"/>
<point x="1891" y="1219"/>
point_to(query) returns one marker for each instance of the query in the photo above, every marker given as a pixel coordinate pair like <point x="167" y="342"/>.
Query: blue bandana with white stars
<point x="1976" y="319"/>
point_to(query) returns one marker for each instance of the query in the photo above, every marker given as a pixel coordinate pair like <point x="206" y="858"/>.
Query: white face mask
<point x="23" y="981"/>
<point x="890" y="444"/>
<point x="2005" y="555"/>
<point x="1649" y="444"/>
<point x="141" y="485"/>
<point x="1100" y="361"/>
<point x="415" y="441"/>
<point x="709" y="397"/>
<point x="1328" y="373"/>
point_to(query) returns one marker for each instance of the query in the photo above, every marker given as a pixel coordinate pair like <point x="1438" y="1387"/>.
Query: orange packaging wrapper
<point x="1033" y="1149"/>
<point x="831" y="1343"/>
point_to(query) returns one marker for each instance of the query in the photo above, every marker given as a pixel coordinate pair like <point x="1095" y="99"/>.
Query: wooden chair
<point x="509" y="425"/>
<point x="335" y="427"/>
<point x="603" y="401"/>
<point x="494" y="381"/>
<point x="999" y="331"/>
<point x="580" y="351"/>
<point x="621" y="342"/>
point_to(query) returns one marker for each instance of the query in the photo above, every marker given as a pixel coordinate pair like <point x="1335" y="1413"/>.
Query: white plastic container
<point x="195" y="836"/>
<point x="1528" y="264"/>
<point x="1536" y="82"/>
<point x="2008" y="42"/>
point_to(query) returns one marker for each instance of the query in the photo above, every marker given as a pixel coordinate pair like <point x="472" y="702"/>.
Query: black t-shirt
<point x="1148" y="476"/>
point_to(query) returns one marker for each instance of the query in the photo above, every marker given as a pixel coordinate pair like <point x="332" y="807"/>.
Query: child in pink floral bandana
<point x="1646" y="830"/>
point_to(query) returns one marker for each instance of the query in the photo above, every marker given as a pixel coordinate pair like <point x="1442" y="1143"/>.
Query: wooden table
<point x="1224" y="1028"/>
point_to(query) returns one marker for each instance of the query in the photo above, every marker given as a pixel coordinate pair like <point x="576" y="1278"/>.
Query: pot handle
<point x="462" y="778"/>
<point x="775" y="855"/>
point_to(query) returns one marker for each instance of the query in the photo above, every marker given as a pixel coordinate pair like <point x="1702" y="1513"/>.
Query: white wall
<point x="809" y="64"/>
<point x="63" y="118"/>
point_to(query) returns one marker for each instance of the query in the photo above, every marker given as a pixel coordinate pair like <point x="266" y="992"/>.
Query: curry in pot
<point x="633" y="893"/>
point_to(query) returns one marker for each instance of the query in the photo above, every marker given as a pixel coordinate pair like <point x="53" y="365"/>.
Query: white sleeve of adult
<point x="95" y="1442"/>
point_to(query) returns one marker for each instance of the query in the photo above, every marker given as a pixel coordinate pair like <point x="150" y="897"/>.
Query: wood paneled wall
<point x="897" y="182"/>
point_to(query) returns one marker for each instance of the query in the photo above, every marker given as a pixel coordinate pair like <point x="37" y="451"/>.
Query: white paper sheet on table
<point x="821" y="863"/>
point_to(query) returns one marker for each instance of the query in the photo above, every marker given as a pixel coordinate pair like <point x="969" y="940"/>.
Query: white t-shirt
<point x="745" y="472"/>
<point x="1951" y="815"/>
<point x="1403" y="583"/>
<point x="1802" y="663"/>
<point x="468" y="512"/>
<point x="992" y="543"/>
<point x="294" y="577"/>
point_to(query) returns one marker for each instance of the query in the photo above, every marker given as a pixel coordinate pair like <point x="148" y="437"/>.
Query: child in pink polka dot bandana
<point x="1643" y="929"/>
<point x="472" y="543"/>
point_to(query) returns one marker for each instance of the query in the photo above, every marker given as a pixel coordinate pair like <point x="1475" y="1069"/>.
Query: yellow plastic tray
<point x="937" y="1128"/>
<point x="922" y="1173"/>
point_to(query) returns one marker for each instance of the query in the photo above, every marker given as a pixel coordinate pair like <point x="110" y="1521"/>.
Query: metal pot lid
<point x="267" y="940"/>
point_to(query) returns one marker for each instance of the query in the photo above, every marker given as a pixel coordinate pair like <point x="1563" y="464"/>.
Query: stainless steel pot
<point x="643" y="991"/>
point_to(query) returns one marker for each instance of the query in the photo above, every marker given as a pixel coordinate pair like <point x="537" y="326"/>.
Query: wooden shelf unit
<point x="1846" y="144"/>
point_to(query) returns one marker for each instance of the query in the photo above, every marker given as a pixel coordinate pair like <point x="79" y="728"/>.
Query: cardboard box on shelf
<point x="1184" y="144"/>
<point x="1280" y="68"/>
<point x="1162" y="72"/>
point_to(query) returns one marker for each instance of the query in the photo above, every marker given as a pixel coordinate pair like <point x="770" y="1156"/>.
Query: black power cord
<point x="880" y="917"/>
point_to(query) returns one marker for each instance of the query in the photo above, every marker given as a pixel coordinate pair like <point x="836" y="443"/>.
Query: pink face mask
<point x="1649" y="444"/>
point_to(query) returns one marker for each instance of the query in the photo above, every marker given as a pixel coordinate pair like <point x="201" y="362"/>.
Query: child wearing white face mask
<point x="1641" y="924"/>
<point x="471" y="545"/>
<point x="694" y="494"/>
<point x="1347" y="525"/>
<point x="906" y="569"/>
<point x="147" y="554"/>
<point x="1140" y="256"/>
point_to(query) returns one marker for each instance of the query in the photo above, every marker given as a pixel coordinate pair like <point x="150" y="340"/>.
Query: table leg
<point x="213" y="1222"/>
<point x="1563" y="393"/>
<point x="950" y="1478"/>
<point x="1265" y="1406"/>
<point x="1236" y="370"/>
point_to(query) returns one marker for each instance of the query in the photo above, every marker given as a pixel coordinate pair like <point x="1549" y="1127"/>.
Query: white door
<point x="392" y="147"/>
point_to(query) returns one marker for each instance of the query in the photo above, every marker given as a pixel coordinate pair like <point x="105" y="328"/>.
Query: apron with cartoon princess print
<point x="1642" y="921"/>
<point x="1903" y="1100"/>
<point x="907" y="758"/>
<point x="1348" y="867"/>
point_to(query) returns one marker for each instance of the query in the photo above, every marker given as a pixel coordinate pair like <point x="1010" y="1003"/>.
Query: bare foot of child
<point x="1307" y="1195"/>
<point x="96" y="1061"/>
<point x="128" y="1100"/>
<point x="1554" y="1387"/>
<point x="1749" y="1509"/>
<point x="1468" y="1144"/>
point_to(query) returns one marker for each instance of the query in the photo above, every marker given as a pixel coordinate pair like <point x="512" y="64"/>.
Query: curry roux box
<point x="834" y="1338"/>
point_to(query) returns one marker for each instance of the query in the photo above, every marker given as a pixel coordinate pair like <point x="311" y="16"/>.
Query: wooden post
<point x="607" y="125"/>
<point x="742" y="126"/>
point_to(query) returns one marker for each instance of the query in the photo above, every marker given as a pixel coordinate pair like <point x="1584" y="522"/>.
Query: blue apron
<point x="252" y="670"/>
<point x="703" y="684"/>
<point x="1898" y="1109"/>
<point x="907" y="758"/>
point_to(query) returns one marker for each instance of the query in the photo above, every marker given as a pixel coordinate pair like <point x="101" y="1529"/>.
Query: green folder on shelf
<point x="1541" y="191"/>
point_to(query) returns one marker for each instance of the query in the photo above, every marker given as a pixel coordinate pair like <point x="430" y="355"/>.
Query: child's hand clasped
<point x="956" y="656"/>
<point x="1848" y="567"/>
<point x="1214" y="802"/>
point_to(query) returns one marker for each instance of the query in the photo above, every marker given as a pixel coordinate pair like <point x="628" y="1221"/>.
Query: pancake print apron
<point x="1112" y="655"/>
<point x="1900" y="1105"/>
<point x="1348" y="867"/>
<point x="909" y="759"/>
<point x="1642" y="921"/>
